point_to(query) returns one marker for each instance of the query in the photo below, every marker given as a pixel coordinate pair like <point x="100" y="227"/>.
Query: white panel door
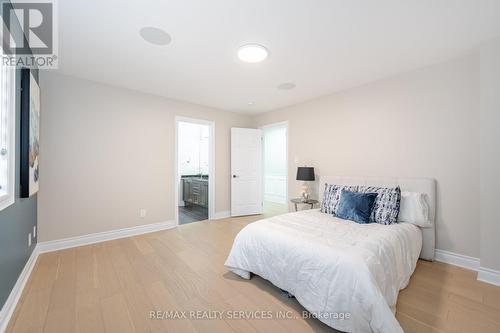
<point x="246" y="171"/>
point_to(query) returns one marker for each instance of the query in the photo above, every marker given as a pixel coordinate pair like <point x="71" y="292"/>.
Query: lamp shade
<point x="305" y="173"/>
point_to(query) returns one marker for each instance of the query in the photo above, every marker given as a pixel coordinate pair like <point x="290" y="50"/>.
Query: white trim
<point x="484" y="274"/>
<point x="67" y="243"/>
<point x="10" y="82"/>
<point x="60" y="244"/>
<point x="278" y="124"/>
<point x="457" y="259"/>
<point x="488" y="275"/>
<point x="211" y="168"/>
<point x="15" y="294"/>
<point x="6" y="200"/>
<point x="222" y="215"/>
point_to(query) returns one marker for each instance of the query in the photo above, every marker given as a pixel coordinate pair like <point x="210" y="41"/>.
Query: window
<point x="7" y="136"/>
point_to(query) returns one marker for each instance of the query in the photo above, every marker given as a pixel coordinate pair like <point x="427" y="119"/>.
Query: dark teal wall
<point x="16" y="221"/>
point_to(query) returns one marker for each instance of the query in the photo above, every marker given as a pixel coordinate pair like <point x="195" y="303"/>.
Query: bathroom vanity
<point x="195" y="190"/>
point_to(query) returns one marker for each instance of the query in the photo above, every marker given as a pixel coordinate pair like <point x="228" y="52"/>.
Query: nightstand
<point x="299" y="201"/>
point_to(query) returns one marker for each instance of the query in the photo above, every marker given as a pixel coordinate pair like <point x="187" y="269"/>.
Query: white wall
<point x="193" y="150"/>
<point x="419" y="124"/>
<point x="490" y="154"/>
<point x="106" y="152"/>
<point x="275" y="164"/>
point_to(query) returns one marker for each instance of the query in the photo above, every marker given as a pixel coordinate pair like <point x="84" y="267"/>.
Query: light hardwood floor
<point x="113" y="286"/>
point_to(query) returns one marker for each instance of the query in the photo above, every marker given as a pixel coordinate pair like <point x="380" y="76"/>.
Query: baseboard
<point x="457" y="259"/>
<point x="484" y="274"/>
<point x="60" y="244"/>
<point x="488" y="275"/>
<point x="15" y="294"/>
<point x="222" y="215"/>
<point x="66" y="243"/>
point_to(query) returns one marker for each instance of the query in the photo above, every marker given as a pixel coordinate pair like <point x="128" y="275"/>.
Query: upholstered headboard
<point x="422" y="185"/>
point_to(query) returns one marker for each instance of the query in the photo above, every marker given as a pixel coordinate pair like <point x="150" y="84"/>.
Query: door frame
<point x="211" y="164"/>
<point x="271" y="125"/>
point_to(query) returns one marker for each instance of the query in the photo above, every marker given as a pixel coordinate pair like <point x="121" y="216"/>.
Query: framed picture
<point x="30" y="133"/>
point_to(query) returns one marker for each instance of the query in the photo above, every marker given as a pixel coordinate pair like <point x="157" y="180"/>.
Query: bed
<point x="346" y="274"/>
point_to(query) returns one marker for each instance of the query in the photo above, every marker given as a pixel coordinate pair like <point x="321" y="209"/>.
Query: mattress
<point x="346" y="274"/>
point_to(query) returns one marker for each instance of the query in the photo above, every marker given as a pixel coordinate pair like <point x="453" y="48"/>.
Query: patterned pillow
<point x="331" y="197"/>
<point x="386" y="207"/>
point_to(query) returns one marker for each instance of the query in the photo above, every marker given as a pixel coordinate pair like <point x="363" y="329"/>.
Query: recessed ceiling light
<point x="155" y="36"/>
<point x="252" y="53"/>
<point x="286" y="86"/>
<point x="250" y="103"/>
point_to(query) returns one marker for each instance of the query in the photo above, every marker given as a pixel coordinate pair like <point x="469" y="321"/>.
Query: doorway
<point x="275" y="168"/>
<point x="194" y="170"/>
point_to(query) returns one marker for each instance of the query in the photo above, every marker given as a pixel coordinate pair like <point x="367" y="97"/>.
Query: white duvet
<point x="347" y="274"/>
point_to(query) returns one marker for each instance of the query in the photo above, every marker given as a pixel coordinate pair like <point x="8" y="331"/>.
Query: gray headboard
<point x="422" y="185"/>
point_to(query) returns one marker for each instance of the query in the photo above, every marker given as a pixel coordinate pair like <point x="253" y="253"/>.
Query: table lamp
<point x="305" y="174"/>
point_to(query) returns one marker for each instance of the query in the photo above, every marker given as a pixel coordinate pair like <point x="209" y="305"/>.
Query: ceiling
<point x="321" y="46"/>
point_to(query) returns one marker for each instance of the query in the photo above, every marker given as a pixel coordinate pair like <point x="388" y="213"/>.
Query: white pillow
<point x="414" y="209"/>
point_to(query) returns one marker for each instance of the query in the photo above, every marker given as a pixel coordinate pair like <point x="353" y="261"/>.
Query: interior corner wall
<point x="17" y="220"/>
<point x="490" y="154"/>
<point x="422" y="123"/>
<point x="106" y="152"/>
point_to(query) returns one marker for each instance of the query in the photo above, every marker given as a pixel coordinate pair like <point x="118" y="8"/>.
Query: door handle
<point x="235" y="176"/>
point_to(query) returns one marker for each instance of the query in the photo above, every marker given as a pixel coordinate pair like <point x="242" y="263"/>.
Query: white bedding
<point x="332" y="266"/>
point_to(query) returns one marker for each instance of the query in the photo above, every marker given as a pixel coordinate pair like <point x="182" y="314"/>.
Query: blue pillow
<point x="356" y="206"/>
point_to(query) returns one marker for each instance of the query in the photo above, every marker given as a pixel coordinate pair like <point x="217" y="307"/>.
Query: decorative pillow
<point x="331" y="197"/>
<point x="386" y="207"/>
<point x="414" y="209"/>
<point x="356" y="207"/>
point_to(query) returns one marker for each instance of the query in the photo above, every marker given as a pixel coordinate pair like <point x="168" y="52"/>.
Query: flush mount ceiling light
<point x="155" y="36"/>
<point x="252" y="53"/>
<point x="286" y="86"/>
